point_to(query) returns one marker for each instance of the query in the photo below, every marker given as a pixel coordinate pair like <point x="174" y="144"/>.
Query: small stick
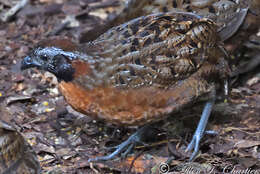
<point x="10" y="13"/>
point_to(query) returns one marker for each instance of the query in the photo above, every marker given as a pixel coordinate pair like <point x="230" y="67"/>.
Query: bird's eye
<point x="44" y="57"/>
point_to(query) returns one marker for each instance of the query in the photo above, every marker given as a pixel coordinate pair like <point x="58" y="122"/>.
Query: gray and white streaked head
<point x="51" y="59"/>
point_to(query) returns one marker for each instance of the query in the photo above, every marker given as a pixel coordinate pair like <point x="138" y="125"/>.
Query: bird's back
<point x="153" y="50"/>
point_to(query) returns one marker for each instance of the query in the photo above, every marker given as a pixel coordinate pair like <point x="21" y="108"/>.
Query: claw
<point x="194" y="144"/>
<point x="211" y="132"/>
<point x="128" y="150"/>
<point x="125" y="147"/>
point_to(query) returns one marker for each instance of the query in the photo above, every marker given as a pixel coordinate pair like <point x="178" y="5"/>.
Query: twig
<point x="58" y="29"/>
<point x="10" y="13"/>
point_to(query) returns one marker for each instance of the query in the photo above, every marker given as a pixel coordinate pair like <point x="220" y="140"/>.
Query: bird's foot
<point x="211" y="132"/>
<point x="200" y="131"/>
<point x="194" y="144"/>
<point x="124" y="148"/>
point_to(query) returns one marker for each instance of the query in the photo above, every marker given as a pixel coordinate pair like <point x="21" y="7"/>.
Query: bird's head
<point x="52" y="59"/>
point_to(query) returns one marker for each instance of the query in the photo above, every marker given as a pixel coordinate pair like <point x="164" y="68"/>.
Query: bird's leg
<point x="200" y="131"/>
<point x="124" y="147"/>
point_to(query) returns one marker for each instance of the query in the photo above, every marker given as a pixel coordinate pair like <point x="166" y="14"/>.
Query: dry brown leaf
<point x="246" y="143"/>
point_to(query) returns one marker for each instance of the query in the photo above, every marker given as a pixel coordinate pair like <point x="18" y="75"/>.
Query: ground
<point x="64" y="139"/>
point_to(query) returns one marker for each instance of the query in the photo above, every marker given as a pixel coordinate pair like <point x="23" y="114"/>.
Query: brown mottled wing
<point x="157" y="49"/>
<point x="227" y="14"/>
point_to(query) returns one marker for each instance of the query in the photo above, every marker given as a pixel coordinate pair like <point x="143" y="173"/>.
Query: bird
<point x="140" y="72"/>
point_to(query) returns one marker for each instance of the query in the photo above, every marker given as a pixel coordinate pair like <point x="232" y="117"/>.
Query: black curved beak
<point x="28" y="62"/>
